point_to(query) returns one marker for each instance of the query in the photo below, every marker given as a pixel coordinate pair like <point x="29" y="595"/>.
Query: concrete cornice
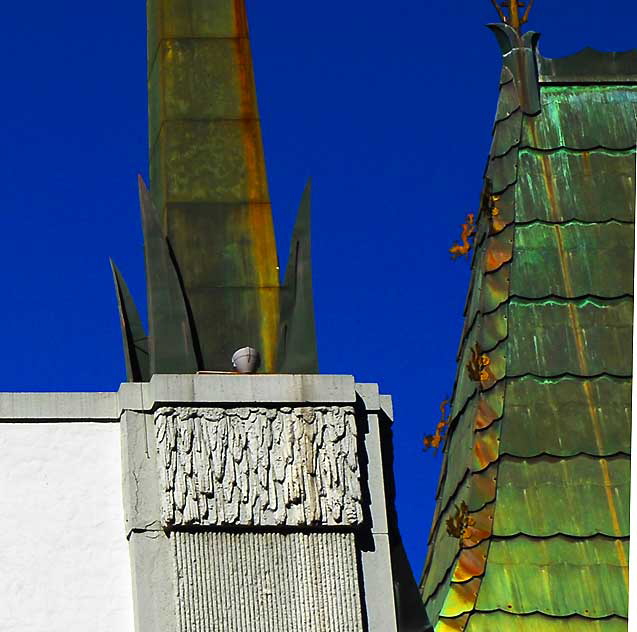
<point x="183" y="390"/>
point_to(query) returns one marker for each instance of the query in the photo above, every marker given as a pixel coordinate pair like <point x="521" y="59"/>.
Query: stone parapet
<point x="263" y="491"/>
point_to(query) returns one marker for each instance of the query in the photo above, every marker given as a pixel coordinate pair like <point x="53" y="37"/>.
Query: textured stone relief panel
<point x="258" y="466"/>
<point x="266" y="582"/>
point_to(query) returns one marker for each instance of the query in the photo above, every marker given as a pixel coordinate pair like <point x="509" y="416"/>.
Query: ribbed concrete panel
<point x="267" y="582"/>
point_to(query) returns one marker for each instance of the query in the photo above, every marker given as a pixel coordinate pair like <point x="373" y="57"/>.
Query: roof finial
<point x="509" y="12"/>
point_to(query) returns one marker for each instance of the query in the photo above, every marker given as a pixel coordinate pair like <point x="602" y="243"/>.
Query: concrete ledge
<point x="17" y="407"/>
<point x="250" y="389"/>
<point x="387" y="406"/>
<point x="370" y="396"/>
<point x="180" y="389"/>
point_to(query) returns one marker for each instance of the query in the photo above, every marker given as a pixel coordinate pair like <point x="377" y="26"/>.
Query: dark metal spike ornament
<point x="297" y="351"/>
<point x="519" y="57"/>
<point x="170" y="331"/>
<point x="134" y="335"/>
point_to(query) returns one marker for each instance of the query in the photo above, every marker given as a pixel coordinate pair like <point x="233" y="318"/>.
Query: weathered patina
<point x="539" y="450"/>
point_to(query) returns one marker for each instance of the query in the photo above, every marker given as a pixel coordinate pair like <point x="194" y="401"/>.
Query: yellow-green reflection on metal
<point x="490" y="407"/>
<point x="493" y="328"/>
<point x="537" y="622"/>
<point x="486" y="447"/>
<point x="460" y="598"/>
<point x="533" y="492"/>
<point x="559" y="576"/>
<point x="496" y="288"/>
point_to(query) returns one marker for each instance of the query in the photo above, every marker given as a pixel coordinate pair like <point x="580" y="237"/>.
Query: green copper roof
<point x="533" y="404"/>
<point x="574" y="194"/>
<point x="533" y="492"/>
<point x="547" y="570"/>
<point x="539" y="447"/>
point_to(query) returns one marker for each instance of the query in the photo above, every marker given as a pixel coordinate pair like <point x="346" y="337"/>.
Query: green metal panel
<point x="472" y="303"/>
<point x="461" y="579"/>
<point x="435" y="603"/>
<point x="590" y="66"/>
<point x="480" y="413"/>
<point x="532" y="494"/>
<point x="509" y="102"/>
<point x="447" y="550"/>
<point x="504" y="209"/>
<point x="189" y="226"/>
<point x="494" y="328"/>
<point x="596" y="257"/>
<point x="583" y="117"/>
<point x="567" y="416"/>
<point x="478" y="491"/>
<point x="562" y="185"/>
<point x="297" y="338"/>
<point x="502" y="172"/>
<point x="465" y="386"/>
<point x="204" y="161"/>
<point x="586" y="337"/>
<point x="201" y="79"/>
<point x="193" y="18"/>
<point x="170" y="342"/>
<point x="558" y="576"/>
<point x="506" y="134"/>
<point x="134" y="335"/>
<point x="458" y="451"/>
<point x="505" y="622"/>
<point x="496" y="289"/>
<point x="491" y="329"/>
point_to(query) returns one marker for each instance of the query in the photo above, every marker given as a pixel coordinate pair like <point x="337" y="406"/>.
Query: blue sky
<point x="388" y="106"/>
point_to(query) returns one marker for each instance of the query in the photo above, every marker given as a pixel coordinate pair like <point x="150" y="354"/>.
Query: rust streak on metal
<point x="586" y="160"/>
<point x="580" y="345"/>
<point x="261" y="230"/>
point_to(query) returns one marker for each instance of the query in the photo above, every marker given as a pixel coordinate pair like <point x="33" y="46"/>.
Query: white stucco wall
<point x="64" y="564"/>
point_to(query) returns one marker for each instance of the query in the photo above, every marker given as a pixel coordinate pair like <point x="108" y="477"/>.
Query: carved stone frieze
<point x="258" y="466"/>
